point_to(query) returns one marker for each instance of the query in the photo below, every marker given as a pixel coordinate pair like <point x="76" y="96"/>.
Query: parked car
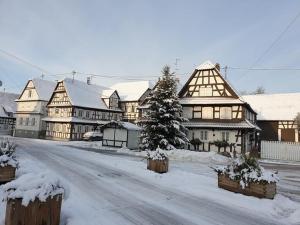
<point x="93" y="136"/>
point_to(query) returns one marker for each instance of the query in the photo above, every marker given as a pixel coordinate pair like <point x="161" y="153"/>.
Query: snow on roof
<point x="132" y="91"/>
<point x="107" y="93"/>
<point x="207" y="101"/>
<point x="126" y="125"/>
<point x="207" y="65"/>
<point x="244" y="124"/>
<point x="7" y="103"/>
<point x="275" y="106"/>
<point x="85" y="95"/>
<point x="73" y="119"/>
<point x="44" y="88"/>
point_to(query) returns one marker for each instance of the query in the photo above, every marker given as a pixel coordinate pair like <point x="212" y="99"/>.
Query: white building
<point x="8" y="107"/>
<point x="132" y="94"/>
<point x="76" y="107"/>
<point x="31" y="108"/>
<point x="121" y="134"/>
<point x="216" y="112"/>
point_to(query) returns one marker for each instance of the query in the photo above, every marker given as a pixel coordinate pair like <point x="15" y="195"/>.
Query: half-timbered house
<point x="276" y="115"/>
<point x="31" y="108"/>
<point x="216" y="112"/>
<point x="8" y="107"/>
<point x="132" y="94"/>
<point x="76" y="107"/>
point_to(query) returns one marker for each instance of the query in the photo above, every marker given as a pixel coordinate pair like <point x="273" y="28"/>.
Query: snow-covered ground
<point x="118" y="189"/>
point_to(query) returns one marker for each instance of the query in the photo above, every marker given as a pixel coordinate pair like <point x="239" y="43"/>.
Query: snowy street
<point x="116" y="189"/>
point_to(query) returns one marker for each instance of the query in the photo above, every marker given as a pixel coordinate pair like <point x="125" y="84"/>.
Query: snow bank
<point x="31" y="186"/>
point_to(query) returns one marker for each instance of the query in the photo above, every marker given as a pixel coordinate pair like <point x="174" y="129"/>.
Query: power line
<point x="24" y="61"/>
<point x="262" y="69"/>
<point x="273" y="43"/>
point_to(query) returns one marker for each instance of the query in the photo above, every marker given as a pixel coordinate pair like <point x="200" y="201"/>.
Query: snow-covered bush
<point x="33" y="186"/>
<point x="246" y="169"/>
<point x="7" y="156"/>
<point x="158" y="154"/>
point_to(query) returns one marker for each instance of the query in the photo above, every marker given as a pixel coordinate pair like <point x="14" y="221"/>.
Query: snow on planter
<point x="157" y="161"/>
<point x="33" y="199"/>
<point x="245" y="175"/>
<point x="8" y="162"/>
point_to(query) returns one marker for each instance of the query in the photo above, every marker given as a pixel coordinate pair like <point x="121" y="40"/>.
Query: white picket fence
<point x="289" y="151"/>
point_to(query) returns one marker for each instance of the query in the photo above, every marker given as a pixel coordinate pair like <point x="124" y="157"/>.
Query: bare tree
<point x="259" y="90"/>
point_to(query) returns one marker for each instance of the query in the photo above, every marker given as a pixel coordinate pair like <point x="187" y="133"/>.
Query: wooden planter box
<point x="259" y="190"/>
<point x="35" y="213"/>
<point x="7" y="173"/>
<point x="159" y="166"/>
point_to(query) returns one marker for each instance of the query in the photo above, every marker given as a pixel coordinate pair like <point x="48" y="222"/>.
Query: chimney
<point x="218" y="67"/>
<point x="88" y="80"/>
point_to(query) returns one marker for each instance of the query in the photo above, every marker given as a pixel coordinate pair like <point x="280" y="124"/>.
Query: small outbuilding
<point x="121" y="134"/>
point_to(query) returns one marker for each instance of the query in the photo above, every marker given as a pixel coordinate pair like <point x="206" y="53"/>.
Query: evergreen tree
<point x="162" y="125"/>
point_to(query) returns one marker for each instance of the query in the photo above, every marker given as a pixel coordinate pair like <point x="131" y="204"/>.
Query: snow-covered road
<point x="106" y="189"/>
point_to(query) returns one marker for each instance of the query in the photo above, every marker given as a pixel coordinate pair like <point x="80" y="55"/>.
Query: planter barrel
<point x="260" y="190"/>
<point x="158" y="166"/>
<point x="35" y="213"/>
<point x="7" y="173"/>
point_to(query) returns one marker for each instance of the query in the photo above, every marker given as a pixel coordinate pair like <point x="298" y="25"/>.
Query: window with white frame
<point x="20" y="121"/>
<point x="33" y="122"/>
<point x="203" y="135"/>
<point x="225" y="136"/>
<point x="225" y="113"/>
<point x="207" y="113"/>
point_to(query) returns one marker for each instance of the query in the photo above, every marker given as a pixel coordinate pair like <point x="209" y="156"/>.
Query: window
<point x="207" y="113"/>
<point x="56" y="111"/>
<point x="80" y="113"/>
<point x="26" y="121"/>
<point x="132" y="108"/>
<point x="187" y="112"/>
<point x="203" y="135"/>
<point x="20" y="120"/>
<point x="33" y="122"/>
<point x="225" y="113"/>
<point x="87" y="114"/>
<point x="225" y="136"/>
<point x="29" y="93"/>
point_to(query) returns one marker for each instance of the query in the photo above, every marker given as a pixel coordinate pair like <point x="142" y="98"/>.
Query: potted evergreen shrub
<point x="221" y="144"/>
<point x="33" y="199"/>
<point x="245" y="175"/>
<point x="196" y="142"/>
<point x="157" y="161"/>
<point x="8" y="162"/>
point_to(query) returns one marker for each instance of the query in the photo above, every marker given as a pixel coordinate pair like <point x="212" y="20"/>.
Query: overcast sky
<point x="137" y="38"/>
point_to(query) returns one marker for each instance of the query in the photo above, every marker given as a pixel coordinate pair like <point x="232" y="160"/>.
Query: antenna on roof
<point x="73" y="75"/>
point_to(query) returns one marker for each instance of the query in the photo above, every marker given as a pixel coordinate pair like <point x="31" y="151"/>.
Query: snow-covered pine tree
<point x="163" y="123"/>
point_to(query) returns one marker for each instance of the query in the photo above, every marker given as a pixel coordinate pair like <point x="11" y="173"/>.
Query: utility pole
<point x="225" y="71"/>
<point x="73" y="75"/>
